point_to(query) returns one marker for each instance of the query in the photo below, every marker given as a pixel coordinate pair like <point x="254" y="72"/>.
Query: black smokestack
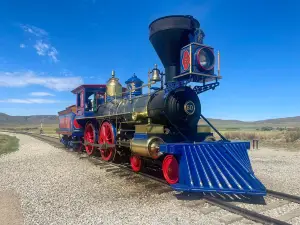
<point x="168" y="35"/>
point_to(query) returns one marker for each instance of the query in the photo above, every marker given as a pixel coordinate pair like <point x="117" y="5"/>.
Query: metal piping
<point x="224" y="139"/>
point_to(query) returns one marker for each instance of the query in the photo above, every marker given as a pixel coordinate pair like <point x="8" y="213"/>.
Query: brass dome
<point x="113" y="86"/>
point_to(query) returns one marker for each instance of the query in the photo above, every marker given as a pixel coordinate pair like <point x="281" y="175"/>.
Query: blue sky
<point x="49" y="47"/>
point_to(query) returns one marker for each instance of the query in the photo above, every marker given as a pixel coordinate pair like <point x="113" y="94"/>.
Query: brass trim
<point x="139" y="115"/>
<point x="106" y="116"/>
<point x="189" y="105"/>
<point x="146" y="147"/>
<point x="149" y="128"/>
<point x="113" y="87"/>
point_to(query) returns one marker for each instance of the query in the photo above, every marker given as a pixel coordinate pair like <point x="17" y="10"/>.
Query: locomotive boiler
<point x="156" y="124"/>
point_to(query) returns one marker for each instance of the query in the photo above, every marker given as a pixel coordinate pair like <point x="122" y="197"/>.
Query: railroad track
<point x="226" y="202"/>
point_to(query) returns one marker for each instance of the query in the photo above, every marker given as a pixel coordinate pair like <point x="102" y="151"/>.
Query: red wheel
<point x="89" y="136"/>
<point x="106" y="135"/>
<point x="136" y="163"/>
<point x="170" y="169"/>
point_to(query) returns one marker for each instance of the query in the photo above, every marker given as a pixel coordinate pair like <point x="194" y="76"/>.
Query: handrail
<point x="149" y="84"/>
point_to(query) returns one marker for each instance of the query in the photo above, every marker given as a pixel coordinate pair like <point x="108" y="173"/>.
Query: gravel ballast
<point x="279" y="170"/>
<point x="56" y="187"/>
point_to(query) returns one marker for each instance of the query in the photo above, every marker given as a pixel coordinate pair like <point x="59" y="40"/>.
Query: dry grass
<point x="250" y="135"/>
<point x="279" y="139"/>
<point x="287" y="136"/>
<point x="292" y="136"/>
<point x="48" y="129"/>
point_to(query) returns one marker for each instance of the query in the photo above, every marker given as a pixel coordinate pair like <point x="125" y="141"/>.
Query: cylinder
<point x="146" y="147"/>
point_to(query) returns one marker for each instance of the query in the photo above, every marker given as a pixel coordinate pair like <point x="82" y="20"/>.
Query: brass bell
<point x="155" y="74"/>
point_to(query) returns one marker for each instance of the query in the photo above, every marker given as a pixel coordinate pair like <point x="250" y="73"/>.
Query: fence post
<point x="255" y="144"/>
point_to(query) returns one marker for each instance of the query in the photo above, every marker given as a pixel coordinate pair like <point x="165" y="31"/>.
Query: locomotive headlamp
<point x="205" y="59"/>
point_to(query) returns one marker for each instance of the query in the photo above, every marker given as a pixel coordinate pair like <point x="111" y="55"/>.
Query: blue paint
<point x="140" y="136"/>
<point x="134" y="82"/>
<point x="170" y="86"/>
<point x="222" y="167"/>
<point x="115" y="133"/>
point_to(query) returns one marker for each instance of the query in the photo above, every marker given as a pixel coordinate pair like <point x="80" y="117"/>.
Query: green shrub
<point x="8" y="144"/>
<point x="267" y="128"/>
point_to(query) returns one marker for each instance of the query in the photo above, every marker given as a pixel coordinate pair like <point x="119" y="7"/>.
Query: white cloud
<point x="41" y="94"/>
<point x="42" y="44"/>
<point x="21" y="79"/>
<point x="30" y="101"/>
<point x="38" y="32"/>
<point x="52" y="53"/>
<point x="22" y="46"/>
<point x="43" y="49"/>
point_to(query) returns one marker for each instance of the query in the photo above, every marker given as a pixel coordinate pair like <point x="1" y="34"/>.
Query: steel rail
<point x="251" y="215"/>
<point x="285" y="196"/>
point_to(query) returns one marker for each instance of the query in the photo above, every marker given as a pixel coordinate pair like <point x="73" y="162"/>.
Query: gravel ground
<point x="277" y="169"/>
<point x="56" y="187"/>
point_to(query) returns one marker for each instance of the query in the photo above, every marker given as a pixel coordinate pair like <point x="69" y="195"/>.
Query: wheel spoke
<point x="89" y="137"/>
<point x="106" y="136"/>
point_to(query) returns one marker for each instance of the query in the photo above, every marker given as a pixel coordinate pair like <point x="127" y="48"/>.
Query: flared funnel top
<point x="168" y="35"/>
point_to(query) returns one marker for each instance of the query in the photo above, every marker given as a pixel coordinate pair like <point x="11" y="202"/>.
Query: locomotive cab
<point x="88" y="97"/>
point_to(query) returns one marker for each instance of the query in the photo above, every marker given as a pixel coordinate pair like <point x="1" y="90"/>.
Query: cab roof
<point x="78" y="89"/>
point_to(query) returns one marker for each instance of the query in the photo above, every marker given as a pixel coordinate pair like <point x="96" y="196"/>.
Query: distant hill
<point x="278" y="122"/>
<point x="25" y="120"/>
<point x="7" y="120"/>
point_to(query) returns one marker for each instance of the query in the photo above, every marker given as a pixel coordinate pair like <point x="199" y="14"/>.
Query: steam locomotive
<point x="160" y="128"/>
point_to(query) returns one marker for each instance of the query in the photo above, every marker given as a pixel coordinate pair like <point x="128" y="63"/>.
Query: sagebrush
<point x="287" y="136"/>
